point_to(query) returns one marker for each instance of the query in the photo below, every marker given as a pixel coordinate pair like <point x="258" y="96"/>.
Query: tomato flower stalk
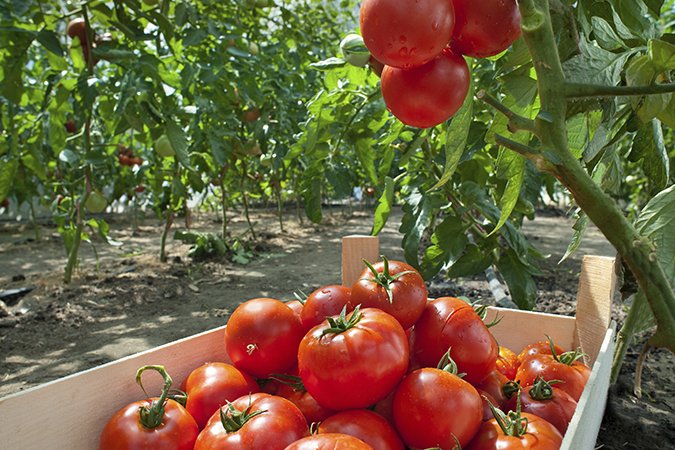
<point x="385" y="278"/>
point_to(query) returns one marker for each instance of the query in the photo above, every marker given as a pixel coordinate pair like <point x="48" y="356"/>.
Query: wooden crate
<point x="69" y="413"/>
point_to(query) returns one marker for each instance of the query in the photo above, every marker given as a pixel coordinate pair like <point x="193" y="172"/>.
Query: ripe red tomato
<point x="572" y="375"/>
<point x="296" y="306"/>
<point x="293" y="389"/>
<point x="538" y="435"/>
<point x="485" y="28"/>
<point x="329" y="441"/>
<point x="486" y="399"/>
<point x="71" y="127"/>
<point x="507" y="362"/>
<point x="449" y="322"/>
<point x="366" y="425"/>
<point x="376" y="66"/>
<point x="432" y="407"/>
<point x="538" y="348"/>
<point x="255" y="422"/>
<point x="77" y="28"/>
<point x="325" y="302"/>
<point x="493" y="384"/>
<point x="394" y="287"/>
<point x="262" y="337"/>
<point x="548" y="402"/>
<point x="212" y="385"/>
<point x="140" y="188"/>
<point x="124" y="431"/>
<point x="354" y="360"/>
<point x="406" y="33"/>
<point x="251" y="115"/>
<point x="5" y="203"/>
<point x="427" y="95"/>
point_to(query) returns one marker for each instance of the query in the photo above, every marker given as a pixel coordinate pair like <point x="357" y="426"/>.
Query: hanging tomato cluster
<point x="421" y="42"/>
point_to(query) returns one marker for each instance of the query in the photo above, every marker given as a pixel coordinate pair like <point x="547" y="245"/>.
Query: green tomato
<point x="96" y="203"/>
<point x="253" y="48"/>
<point x="354" y="50"/>
<point x="163" y="147"/>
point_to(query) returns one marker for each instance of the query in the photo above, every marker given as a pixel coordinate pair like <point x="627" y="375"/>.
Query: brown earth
<point x="133" y="302"/>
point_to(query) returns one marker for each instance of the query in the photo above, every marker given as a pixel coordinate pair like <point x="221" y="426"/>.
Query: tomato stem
<point x="340" y="324"/>
<point x="542" y="389"/>
<point x="233" y="420"/>
<point x="447" y="364"/>
<point x="152" y="416"/>
<point x="384" y="278"/>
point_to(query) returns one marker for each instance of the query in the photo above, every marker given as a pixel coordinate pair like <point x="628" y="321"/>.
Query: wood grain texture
<point x="354" y="249"/>
<point x="70" y="413"/>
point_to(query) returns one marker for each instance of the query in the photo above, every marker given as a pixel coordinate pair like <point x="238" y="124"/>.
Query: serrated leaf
<point x="595" y="65"/>
<point x="648" y="143"/>
<point x="579" y="228"/>
<point x="657" y="222"/>
<point x="7" y="172"/>
<point x="448" y="242"/>
<point x="605" y="35"/>
<point x="312" y="197"/>
<point x="512" y="165"/>
<point x="661" y="54"/>
<point x="179" y="142"/>
<point x="517" y="276"/>
<point x="384" y="205"/>
<point x="474" y="260"/>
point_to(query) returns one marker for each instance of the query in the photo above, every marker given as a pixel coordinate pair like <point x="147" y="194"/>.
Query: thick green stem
<point x="580" y="90"/>
<point x="625" y="335"/>
<point x="600" y="208"/>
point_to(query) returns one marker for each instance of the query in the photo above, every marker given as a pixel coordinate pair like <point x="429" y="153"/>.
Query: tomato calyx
<point x="511" y="388"/>
<point x="481" y="310"/>
<point x="385" y="278"/>
<point x="567" y="358"/>
<point x="513" y="423"/>
<point x="340" y="324"/>
<point x="293" y="381"/>
<point x="542" y="389"/>
<point x="233" y="420"/>
<point x="153" y="415"/>
<point x="447" y="364"/>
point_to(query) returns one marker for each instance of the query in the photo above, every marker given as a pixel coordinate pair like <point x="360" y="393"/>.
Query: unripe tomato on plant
<point x="163" y="147"/>
<point x="406" y="33"/>
<point x="96" y="203"/>
<point x="427" y="95"/>
<point x="485" y="28"/>
<point x="354" y="51"/>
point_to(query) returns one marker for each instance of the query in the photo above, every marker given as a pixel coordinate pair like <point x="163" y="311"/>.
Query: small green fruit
<point x="354" y="50"/>
<point x="96" y="203"/>
<point x="253" y="48"/>
<point x="163" y="147"/>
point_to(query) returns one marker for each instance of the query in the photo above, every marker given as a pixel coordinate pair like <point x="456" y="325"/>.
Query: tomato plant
<point x="354" y="360"/>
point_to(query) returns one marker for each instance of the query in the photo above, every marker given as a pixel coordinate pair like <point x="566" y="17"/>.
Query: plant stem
<point x="280" y="205"/>
<point x="165" y="233"/>
<point x="624" y="337"/>
<point x="245" y="199"/>
<point x="636" y="251"/>
<point x="516" y="121"/>
<point x="223" y="204"/>
<point x="580" y="90"/>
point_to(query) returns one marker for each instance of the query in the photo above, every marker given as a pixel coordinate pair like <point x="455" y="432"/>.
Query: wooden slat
<point x="583" y="429"/>
<point x="597" y="284"/>
<point x="354" y="249"/>
<point x="69" y="413"/>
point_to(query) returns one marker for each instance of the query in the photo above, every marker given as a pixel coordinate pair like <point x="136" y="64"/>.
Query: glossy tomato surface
<point x="307" y="404"/>
<point x="262" y="337"/>
<point x="538" y="348"/>
<point x="329" y="441"/>
<point x="540" y="435"/>
<point x="357" y="367"/>
<point x="558" y="410"/>
<point x="431" y="406"/>
<point x="212" y="385"/>
<point x="406" y="33"/>
<point x="572" y="377"/>
<point x="427" y="95"/>
<point x="124" y="431"/>
<point x="451" y="323"/>
<point x="493" y="384"/>
<point x="485" y="28"/>
<point x="278" y="424"/>
<point x="507" y="362"/>
<point x="325" y="302"/>
<point x="366" y="425"/>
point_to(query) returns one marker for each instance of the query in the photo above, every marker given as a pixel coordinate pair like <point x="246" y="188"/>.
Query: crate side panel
<point x="71" y="412"/>
<point x="354" y="249"/>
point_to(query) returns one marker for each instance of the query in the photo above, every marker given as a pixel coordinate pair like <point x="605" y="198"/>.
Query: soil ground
<point x="131" y="302"/>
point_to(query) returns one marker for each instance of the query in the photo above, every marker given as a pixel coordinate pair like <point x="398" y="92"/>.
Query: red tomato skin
<point x="427" y="95"/>
<point x="536" y="349"/>
<point x="366" y="425"/>
<point x="485" y="397"/>
<point x="572" y="378"/>
<point x="485" y="28"/>
<point x="431" y="405"/>
<point x="507" y="363"/>
<point x="310" y="408"/>
<point x="558" y="410"/>
<point x="281" y="424"/>
<point x="124" y="431"/>
<point x="295" y="306"/>
<point x="262" y="337"/>
<point x="493" y="384"/>
<point x="212" y="385"/>
<point x="540" y="435"/>
<point x="325" y="302"/>
<point x="329" y="441"/>
<point x="358" y="367"/>
<point x="449" y="322"/>
<point x="406" y="33"/>
<point x="409" y="293"/>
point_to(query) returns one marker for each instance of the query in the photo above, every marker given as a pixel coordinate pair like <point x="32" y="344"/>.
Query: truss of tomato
<point x="366" y="425"/>
<point x="325" y="302"/>
<point x="157" y="423"/>
<point x="567" y="368"/>
<point x="253" y="422"/>
<point x="352" y="361"/>
<point x="546" y="401"/>
<point x="516" y="431"/>
<point x="394" y="287"/>
<point x="449" y="322"/>
<point x="485" y="28"/>
<point x="427" y="95"/>
<point x="212" y="385"/>
<point x="291" y="388"/>
<point x="329" y="441"/>
<point x="507" y="362"/>
<point x="406" y="33"/>
<point x="434" y="407"/>
<point x="262" y="337"/>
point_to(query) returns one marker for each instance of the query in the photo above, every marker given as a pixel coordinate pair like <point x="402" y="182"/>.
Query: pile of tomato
<point x="376" y="365"/>
<point x="421" y="44"/>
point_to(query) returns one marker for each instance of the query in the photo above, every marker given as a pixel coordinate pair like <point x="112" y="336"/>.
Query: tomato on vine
<point x="427" y="95"/>
<point x="485" y="28"/>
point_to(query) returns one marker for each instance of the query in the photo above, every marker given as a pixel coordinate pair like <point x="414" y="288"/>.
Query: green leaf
<point x="328" y="64"/>
<point x="366" y="156"/>
<point x="448" y="242"/>
<point x="641" y="72"/>
<point x="312" y="197"/>
<point x="179" y="142"/>
<point x="7" y="173"/>
<point x="416" y="218"/>
<point x="579" y="228"/>
<point x="456" y="136"/>
<point x="384" y="205"/>
<point x="512" y="165"/>
<point x="662" y="54"/>
<point x="595" y="65"/>
<point x="50" y="41"/>
<point x="648" y="144"/>
<point x="657" y="222"/>
<point x="69" y="157"/>
<point x="474" y="260"/>
<point x="517" y="276"/>
<point x="605" y="35"/>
